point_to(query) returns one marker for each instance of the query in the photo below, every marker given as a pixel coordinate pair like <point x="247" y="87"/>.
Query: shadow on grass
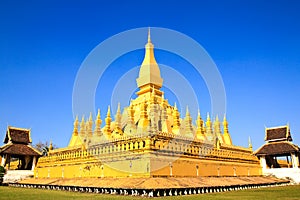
<point x="273" y="193"/>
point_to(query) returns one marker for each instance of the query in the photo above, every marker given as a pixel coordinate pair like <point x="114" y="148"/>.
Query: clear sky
<point x="255" y="45"/>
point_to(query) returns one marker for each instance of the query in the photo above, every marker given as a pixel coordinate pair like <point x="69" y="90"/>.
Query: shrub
<point x="2" y="171"/>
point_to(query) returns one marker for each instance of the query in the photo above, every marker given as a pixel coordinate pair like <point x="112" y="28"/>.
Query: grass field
<point x="286" y="192"/>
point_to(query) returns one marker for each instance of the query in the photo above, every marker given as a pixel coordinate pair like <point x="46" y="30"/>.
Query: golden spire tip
<point x="108" y="111"/>
<point x="149" y="35"/>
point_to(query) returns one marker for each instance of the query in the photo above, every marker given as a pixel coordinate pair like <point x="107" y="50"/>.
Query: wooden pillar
<point x="27" y="160"/>
<point x="8" y="160"/>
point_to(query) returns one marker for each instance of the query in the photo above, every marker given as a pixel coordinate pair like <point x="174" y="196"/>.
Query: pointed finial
<point x="82" y="119"/>
<point x="208" y="117"/>
<point x="175" y="106"/>
<point x="91" y="117"/>
<point x="225" y="123"/>
<point x="119" y="108"/>
<point x="108" y="111"/>
<point x="187" y="111"/>
<point x="217" y="118"/>
<point x="250" y="143"/>
<point x="149" y="36"/>
<point x="76" y="121"/>
<point x="98" y="115"/>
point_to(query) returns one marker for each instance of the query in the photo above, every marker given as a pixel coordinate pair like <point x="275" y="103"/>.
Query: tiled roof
<point x="17" y="135"/>
<point x="280" y="133"/>
<point x="277" y="148"/>
<point x="19" y="149"/>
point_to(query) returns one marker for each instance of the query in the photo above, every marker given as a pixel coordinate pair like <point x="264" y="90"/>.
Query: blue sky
<point x="255" y="45"/>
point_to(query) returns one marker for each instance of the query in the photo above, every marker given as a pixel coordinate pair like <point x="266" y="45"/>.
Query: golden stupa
<point x="149" y="139"/>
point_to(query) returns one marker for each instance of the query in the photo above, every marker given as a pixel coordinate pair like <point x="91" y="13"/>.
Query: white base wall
<point x="13" y="176"/>
<point x="291" y="173"/>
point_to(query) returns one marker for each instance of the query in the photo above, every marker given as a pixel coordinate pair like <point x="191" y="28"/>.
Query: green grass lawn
<point x="286" y="192"/>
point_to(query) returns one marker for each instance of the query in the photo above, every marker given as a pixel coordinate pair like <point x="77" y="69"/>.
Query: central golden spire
<point x="149" y="75"/>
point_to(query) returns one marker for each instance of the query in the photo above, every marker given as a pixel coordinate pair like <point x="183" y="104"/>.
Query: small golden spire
<point x="107" y="129"/>
<point x="200" y="127"/>
<point x="91" y="117"/>
<point x="108" y="112"/>
<point x="118" y="122"/>
<point x="82" y="126"/>
<point x="198" y="121"/>
<point x="176" y="118"/>
<point x="187" y="111"/>
<point x="149" y="35"/>
<point x="90" y="125"/>
<point x="226" y="135"/>
<point x="209" y="132"/>
<point x="208" y="121"/>
<point x="224" y="119"/>
<point x="119" y="109"/>
<point x="98" y="122"/>
<point x="217" y="129"/>
<point x="51" y="145"/>
<point x="118" y="117"/>
<point x="130" y="112"/>
<point x="250" y="143"/>
<point x="188" y="122"/>
<point x="175" y="106"/>
<point x="82" y="120"/>
<point x="225" y="124"/>
<point x="98" y="115"/>
<point x="76" y="119"/>
<point x="76" y="123"/>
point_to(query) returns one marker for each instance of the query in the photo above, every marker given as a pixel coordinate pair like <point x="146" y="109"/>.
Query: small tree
<point x="43" y="147"/>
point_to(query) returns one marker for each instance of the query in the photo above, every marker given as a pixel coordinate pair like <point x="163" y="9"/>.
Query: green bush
<point x="2" y="171"/>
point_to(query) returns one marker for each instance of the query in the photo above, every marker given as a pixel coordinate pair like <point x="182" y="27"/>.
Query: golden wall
<point x="158" y="157"/>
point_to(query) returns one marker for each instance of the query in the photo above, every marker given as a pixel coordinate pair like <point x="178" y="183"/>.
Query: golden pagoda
<point x="149" y="139"/>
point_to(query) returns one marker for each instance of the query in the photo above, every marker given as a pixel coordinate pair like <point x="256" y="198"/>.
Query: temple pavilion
<point x="17" y="148"/>
<point x="149" y="138"/>
<point x="278" y="144"/>
<point x="279" y="156"/>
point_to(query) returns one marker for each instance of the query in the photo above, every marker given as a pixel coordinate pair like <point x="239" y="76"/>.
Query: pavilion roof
<point x="281" y="133"/>
<point x="19" y="149"/>
<point x="277" y="148"/>
<point x="17" y="135"/>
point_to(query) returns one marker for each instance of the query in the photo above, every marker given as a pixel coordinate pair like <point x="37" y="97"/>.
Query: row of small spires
<point x="86" y="127"/>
